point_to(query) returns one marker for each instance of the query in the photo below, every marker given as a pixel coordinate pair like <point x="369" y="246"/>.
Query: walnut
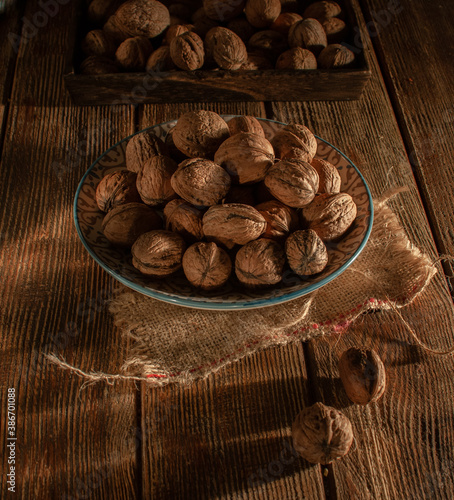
<point x="262" y="13"/>
<point x="336" y="30"/>
<point x="322" y="434"/>
<point x="269" y="42"/>
<point x="98" y="43"/>
<point x="330" y="215"/>
<point x="133" y="53"/>
<point x="257" y="61"/>
<point x="125" y="223"/>
<point x="142" y="147"/>
<point x="202" y="23"/>
<point x="306" y="252"/>
<point x="246" y="157"/>
<point x="322" y="10"/>
<point x="233" y="223"/>
<point x="114" y="29"/>
<point x="242" y="27"/>
<point x="225" y="48"/>
<point x="158" y="253"/>
<point x="223" y="10"/>
<point x="147" y="18"/>
<point x="153" y="180"/>
<point x="297" y="58"/>
<point x="285" y="21"/>
<point x="160" y="60"/>
<point x="185" y="219"/>
<point x="200" y="133"/>
<point x="280" y="219"/>
<point x="100" y="10"/>
<point x="363" y="375"/>
<point x="335" y="56"/>
<point x="98" y="65"/>
<point x="245" y="124"/>
<point x="116" y="189"/>
<point x="187" y="51"/>
<point x="243" y="194"/>
<point x="173" y="31"/>
<point x="206" y="265"/>
<point x="308" y="34"/>
<point x="329" y="177"/>
<point x="295" y="142"/>
<point x="201" y="182"/>
<point x="260" y="263"/>
<point x="294" y="182"/>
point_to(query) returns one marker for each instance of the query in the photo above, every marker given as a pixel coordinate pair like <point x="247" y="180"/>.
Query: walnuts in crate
<point x="206" y="179"/>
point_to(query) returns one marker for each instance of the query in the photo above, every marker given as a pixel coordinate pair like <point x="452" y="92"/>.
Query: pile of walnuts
<point x="147" y="35"/>
<point x="218" y="198"/>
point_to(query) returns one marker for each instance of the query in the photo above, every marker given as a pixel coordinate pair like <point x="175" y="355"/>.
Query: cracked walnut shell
<point x="306" y="252"/>
<point x="201" y="182"/>
<point x="260" y="263"/>
<point x="330" y="215"/>
<point x="206" y="265"/>
<point x="158" y="253"/>
<point x="322" y="434"/>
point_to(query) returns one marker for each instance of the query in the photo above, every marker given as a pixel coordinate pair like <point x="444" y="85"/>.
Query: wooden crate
<point x="219" y="85"/>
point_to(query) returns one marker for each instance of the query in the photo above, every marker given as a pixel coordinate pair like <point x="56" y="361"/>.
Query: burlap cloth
<point x="169" y="343"/>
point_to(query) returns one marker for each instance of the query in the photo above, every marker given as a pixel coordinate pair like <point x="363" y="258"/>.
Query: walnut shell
<point x="268" y="42"/>
<point x="154" y="180"/>
<point x="147" y="18"/>
<point x="206" y="265"/>
<point x="330" y="215"/>
<point x="257" y="61"/>
<point x="173" y="31"/>
<point x="98" y="43"/>
<point x="322" y="10"/>
<point x="285" y="21"/>
<point x="201" y="182"/>
<point x="187" y="51"/>
<point x="260" y="263"/>
<point x="295" y="141"/>
<point x="336" y="30"/>
<point x="114" y="29"/>
<point x="296" y="58"/>
<point x="294" y="182"/>
<point x="117" y="188"/>
<point x="133" y="53"/>
<point x="262" y="13"/>
<point x="242" y="27"/>
<point x="226" y="48"/>
<point x="223" y="10"/>
<point x="280" y="219"/>
<point x="306" y="252"/>
<point x="233" y="223"/>
<point x="329" y="177"/>
<point x="158" y="253"/>
<point x="160" y="60"/>
<point x="98" y="65"/>
<point x="363" y="375"/>
<point x="246" y="157"/>
<point x="185" y="219"/>
<point x="335" y="56"/>
<point x="308" y="34"/>
<point x="200" y="133"/>
<point x="141" y="147"/>
<point x="245" y="124"/>
<point x="322" y="434"/>
<point x="125" y="223"/>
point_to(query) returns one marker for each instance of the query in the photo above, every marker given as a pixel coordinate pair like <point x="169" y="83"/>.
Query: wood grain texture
<point x="404" y="443"/>
<point x="420" y="76"/>
<point x="227" y="436"/>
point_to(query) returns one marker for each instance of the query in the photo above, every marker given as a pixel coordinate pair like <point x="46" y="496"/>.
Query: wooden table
<point x="229" y="435"/>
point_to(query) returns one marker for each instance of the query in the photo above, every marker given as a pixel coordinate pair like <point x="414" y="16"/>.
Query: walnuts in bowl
<point x="232" y="210"/>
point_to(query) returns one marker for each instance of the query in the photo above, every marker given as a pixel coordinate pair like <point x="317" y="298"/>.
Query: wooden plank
<point x="227" y="436"/>
<point x="420" y="77"/>
<point x="404" y="443"/>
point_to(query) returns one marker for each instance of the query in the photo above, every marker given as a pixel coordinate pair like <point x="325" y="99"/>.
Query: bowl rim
<point x="206" y="304"/>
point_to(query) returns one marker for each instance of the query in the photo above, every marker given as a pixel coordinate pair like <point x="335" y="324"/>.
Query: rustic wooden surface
<point x="227" y="436"/>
